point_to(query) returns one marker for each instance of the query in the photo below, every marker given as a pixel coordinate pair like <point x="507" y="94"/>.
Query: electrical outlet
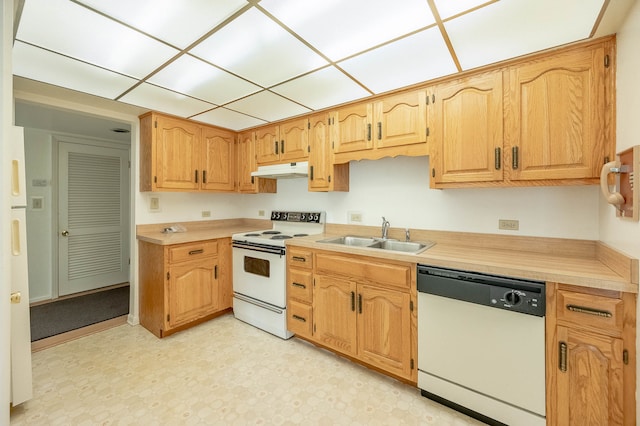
<point x="260" y="212"/>
<point x="206" y="213"/>
<point x="355" y="217"/>
<point x="508" y="225"/>
<point x="154" y="204"/>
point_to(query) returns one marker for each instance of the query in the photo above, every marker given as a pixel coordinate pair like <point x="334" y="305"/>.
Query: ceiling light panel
<point x="156" y="98"/>
<point x="322" y="89"/>
<point x="339" y="28"/>
<point x="267" y="106"/>
<point x="165" y="19"/>
<point x="196" y="78"/>
<point x="73" y="30"/>
<point x="228" y="119"/>
<point x="448" y="8"/>
<point x="507" y="29"/>
<point x="420" y="57"/>
<point x="41" y="65"/>
<point x="258" y="49"/>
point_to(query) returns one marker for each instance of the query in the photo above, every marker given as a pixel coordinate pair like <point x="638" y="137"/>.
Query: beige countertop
<point x="578" y="262"/>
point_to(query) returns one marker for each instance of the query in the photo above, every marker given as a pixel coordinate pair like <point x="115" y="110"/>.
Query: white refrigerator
<point x="21" y="376"/>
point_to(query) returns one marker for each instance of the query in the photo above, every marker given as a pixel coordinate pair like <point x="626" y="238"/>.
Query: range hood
<point x="299" y="169"/>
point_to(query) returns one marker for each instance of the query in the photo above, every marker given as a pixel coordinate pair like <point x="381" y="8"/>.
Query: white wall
<point x="620" y="233"/>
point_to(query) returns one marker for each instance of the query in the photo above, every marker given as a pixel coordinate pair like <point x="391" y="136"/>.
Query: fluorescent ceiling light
<point x="229" y="119"/>
<point x="159" y="99"/>
<point x="267" y="106"/>
<point x="448" y="8"/>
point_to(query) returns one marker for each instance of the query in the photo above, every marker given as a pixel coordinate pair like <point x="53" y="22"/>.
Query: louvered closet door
<point x="92" y="217"/>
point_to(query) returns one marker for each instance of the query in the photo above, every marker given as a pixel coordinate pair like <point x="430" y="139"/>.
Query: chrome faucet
<point x="385" y="228"/>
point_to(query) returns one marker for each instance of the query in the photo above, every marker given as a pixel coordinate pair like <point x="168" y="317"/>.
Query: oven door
<point x="259" y="272"/>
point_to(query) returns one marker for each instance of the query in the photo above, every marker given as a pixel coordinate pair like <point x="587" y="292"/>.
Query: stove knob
<point x="303" y="217"/>
<point x="512" y="298"/>
<point x="285" y="216"/>
<point x="316" y="217"/>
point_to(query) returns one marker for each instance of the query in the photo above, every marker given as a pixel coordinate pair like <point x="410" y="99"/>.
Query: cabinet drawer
<point x="193" y="251"/>
<point x="300" y="284"/>
<point x="371" y="271"/>
<point x="299" y="318"/>
<point x="590" y="310"/>
<point x="299" y="258"/>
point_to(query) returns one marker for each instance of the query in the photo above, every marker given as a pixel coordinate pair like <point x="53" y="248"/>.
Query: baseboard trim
<point x="58" y="339"/>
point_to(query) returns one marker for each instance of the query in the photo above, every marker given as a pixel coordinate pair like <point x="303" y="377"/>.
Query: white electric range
<point x="259" y="269"/>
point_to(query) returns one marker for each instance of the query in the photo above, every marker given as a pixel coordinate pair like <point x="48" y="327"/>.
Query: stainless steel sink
<point x="413" y="247"/>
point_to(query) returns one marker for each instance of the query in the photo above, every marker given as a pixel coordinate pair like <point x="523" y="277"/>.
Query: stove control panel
<point x="306" y="217"/>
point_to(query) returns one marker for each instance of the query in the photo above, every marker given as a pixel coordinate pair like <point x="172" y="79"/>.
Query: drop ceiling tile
<point x="258" y="49"/>
<point x="339" y="28"/>
<point x="162" y="18"/>
<point x="194" y="77"/>
<point x="448" y="8"/>
<point x="41" y="65"/>
<point x="158" y="99"/>
<point x="267" y="106"/>
<point x="73" y="30"/>
<point x="507" y="29"/>
<point x="228" y="119"/>
<point x="321" y="89"/>
<point x="420" y="57"/>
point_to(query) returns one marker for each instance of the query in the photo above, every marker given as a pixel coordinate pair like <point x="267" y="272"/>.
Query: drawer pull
<point x="562" y="352"/>
<point x="199" y="251"/>
<point x="589" y="311"/>
<point x="299" y="285"/>
<point x="298" y="258"/>
<point x="298" y="318"/>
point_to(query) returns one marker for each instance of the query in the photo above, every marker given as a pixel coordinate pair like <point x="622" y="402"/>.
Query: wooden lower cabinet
<point x="360" y="306"/>
<point x="591" y="357"/>
<point x="183" y="284"/>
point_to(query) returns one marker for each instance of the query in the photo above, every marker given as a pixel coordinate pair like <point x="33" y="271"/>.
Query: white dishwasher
<point x="481" y="345"/>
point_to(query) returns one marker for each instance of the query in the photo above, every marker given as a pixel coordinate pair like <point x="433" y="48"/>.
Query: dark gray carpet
<point x="70" y="314"/>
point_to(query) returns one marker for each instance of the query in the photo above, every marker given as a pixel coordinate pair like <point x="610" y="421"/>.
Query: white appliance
<point x="299" y="169"/>
<point x="259" y="269"/>
<point x="481" y="342"/>
<point x="21" y="376"/>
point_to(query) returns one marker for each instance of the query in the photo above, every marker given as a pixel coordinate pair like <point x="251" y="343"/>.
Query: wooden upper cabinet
<point x="353" y="129"/>
<point x="287" y="142"/>
<point x="218" y="160"/>
<point x="400" y="119"/>
<point x="465" y="125"/>
<point x="177" y="153"/>
<point x="319" y="152"/>
<point x="246" y="163"/>
<point x="558" y="111"/>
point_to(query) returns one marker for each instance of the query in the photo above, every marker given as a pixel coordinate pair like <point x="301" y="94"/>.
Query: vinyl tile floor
<point x="222" y="372"/>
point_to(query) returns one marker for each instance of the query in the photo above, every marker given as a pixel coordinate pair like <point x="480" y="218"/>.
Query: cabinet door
<point x="334" y="320"/>
<point x="294" y="140"/>
<point x="466" y="124"/>
<point x="319" y="155"/>
<point x="267" y="145"/>
<point x="590" y="391"/>
<point x="384" y="329"/>
<point x="177" y="153"/>
<point x="218" y="160"/>
<point x="401" y="119"/>
<point x="192" y="290"/>
<point x="246" y="163"/>
<point x="557" y="107"/>
<point x="353" y="128"/>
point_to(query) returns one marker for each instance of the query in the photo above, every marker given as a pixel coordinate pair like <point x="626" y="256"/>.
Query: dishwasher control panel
<point x="525" y="301"/>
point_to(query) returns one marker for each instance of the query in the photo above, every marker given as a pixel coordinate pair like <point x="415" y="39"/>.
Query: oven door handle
<point x="259" y="247"/>
<point x="257" y="303"/>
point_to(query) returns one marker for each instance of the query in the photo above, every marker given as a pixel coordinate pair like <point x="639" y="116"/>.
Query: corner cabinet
<point x="591" y="356"/>
<point x="183" y="284"/>
<point x="181" y="155"/>
<point x="359" y="306"/>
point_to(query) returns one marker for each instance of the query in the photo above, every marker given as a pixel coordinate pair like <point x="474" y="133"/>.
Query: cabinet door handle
<point x="199" y="251"/>
<point x="360" y="303"/>
<point x="562" y="354"/>
<point x="282" y="146"/>
<point x="311" y="173"/>
<point x="298" y="285"/>
<point x="379" y="130"/>
<point x="369" y="131"/>
<point x="276" y="144"/>
<point x="298" y="258"/>
<point x="498" y="160"/>
<point x="204" y="176"/>
<point x="589" y="311"/>
<point x="215" y="272"/>
<point x="353" y="301"/>
<point x="298" y="318"/>
<point x="196" y="176"/>
<point x="514" y="158"/>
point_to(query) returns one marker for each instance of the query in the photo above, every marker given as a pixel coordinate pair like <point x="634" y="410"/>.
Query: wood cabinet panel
<point x="300" y="319"/>
<point x="397" y="275"/>
<point x="299" y="258"/>
<point x="287" y="142"/>
<point x="177" y="148"/>
<point x="267" y="142"/>
<point x="401" y="119"/>
<point x="246" y="163"/>
<point x="334" y="313"/>
<point x="300" y="284"/>
<point x="353" y="128"/>
<point x="190" y="251"/>
<point x="590" y="310"/>
<point x="218" y="160"/>
<point x="192" y="291"/>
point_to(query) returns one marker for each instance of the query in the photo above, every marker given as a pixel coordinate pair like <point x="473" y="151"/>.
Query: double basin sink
<point x="413" y="247"/>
